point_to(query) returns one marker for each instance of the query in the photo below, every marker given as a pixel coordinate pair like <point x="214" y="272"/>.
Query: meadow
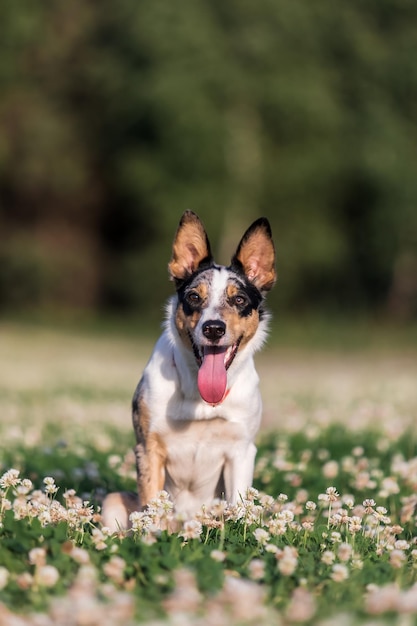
<point x="327" y="535"/>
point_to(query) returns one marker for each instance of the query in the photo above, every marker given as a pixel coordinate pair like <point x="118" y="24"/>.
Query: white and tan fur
<point x="199" y="449"/>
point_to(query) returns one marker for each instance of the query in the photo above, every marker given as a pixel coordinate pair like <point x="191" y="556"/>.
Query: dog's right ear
<point x="191" y="248"/>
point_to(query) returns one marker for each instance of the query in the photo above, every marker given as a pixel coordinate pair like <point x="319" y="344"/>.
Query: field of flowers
<point x="327" y="535"/>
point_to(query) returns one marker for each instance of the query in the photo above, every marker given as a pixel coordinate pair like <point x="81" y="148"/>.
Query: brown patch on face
<point x="240" y="327"/>
<point x="243" y="328"/>
<point x="232" y="290"/>
<point x="186" y="323"/>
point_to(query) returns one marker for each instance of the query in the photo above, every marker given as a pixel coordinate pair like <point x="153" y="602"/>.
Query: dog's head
<point x="219" y="308"/>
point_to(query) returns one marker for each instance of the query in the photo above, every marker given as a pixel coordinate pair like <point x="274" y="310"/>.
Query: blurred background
<point x="115" y="117"/>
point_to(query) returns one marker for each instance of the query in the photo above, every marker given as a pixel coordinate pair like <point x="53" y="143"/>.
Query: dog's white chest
<point x="197" y="453"/>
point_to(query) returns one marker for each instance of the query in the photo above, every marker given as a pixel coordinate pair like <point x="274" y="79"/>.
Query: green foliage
<point x="114" y="119"/>
<point x="168" y="571"/>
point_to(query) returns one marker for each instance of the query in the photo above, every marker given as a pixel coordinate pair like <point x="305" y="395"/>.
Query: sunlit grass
<point x="330" y="533"/>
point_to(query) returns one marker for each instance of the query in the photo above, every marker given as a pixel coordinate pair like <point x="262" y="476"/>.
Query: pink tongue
<point x="212" y="375"/>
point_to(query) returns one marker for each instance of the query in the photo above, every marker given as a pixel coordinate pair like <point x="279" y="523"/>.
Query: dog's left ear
<point x="255" y="255"/>
<point x="190" y="249"/>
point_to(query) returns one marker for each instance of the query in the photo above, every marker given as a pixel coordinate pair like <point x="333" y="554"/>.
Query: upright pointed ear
<point x="255" y="255"/>
<point x="191" y="247"/>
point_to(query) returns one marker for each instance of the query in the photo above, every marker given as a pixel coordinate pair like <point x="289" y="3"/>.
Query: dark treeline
<point x="117" y="116"/>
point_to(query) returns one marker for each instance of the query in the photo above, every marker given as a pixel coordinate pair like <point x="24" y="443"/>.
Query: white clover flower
<point x="401" y="544"/>
<point x="6" y="504"/>
<point x="160" y="506"/>
<point x="282" y="497"/>
<point x="218" y="555"/>
<point x="148" y="539"/>
<point x="69" y="494"/>
<point x="332" y="494"/>
<point x="256" y="569"/>
<point x="286" y="515"/>
<point x="25" y="487"/>
<point x="389" y="486"/>
<point x="252" y="494"/>
<point x="272" y="549"/>
<point x="80" y="555"/>
<point x="397" y="558"/>
<point x="330" y="469"/>
<point x="277" y="526"/>
<point x="114" y="460"/>
<point x="50" y="486"/>
<point x="287" y="561"/>
<point x="218" y="507"/>
<point x="10" y="479"/>
<point x="4" y="577"/>
<point x="24" y="580"/>
<point x="381" y="510"/>
<point x="251" y="512"/>
<point x="261" y="536"/>
<point x="357" y="562"/>
<point x="328" y="557"/>
<point x="136" y="520"/>
<point x="369" y="505"/>
<point x="115" y="568"/>
<point x="380" y="515"/>
<point x="323" y="454"/>
<point x="266" y="501"/>
<point x="344" y="552"/>
<point x="355" y="524"/>
<point x="37" y="556"/>
<point x="339" y="573"/>
<point x="349" y="501"/>
<point x="379" y="600"/>
<point x="44" y="516"/>
<point x="348" y="464"/>
<point x="21" y="509"/>
<point x="98" y="538"/>
<point x="47" y="575"/>
<point x="311" y="506"/>
<point x="192" y="530"/>
<point x="301" y="496"/>
<point x="302" y="606"/>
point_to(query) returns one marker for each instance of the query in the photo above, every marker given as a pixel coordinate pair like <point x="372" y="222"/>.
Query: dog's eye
<point x="240" y="301"/>
<point x="193" y="297"/>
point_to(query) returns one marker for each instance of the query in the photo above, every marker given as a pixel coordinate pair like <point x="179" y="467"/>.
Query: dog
<point x="197" y="407"/>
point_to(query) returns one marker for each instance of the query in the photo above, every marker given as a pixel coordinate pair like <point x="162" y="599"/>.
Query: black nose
<point x="214" y="329"/>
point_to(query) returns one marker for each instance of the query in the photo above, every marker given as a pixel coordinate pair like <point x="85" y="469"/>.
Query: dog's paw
<point x="117" y="508"/>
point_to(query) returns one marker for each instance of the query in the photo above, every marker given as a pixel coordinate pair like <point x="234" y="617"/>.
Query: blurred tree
<point x="114" y="118"/>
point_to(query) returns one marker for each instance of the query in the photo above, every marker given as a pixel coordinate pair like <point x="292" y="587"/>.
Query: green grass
<point x="332" y="419"/>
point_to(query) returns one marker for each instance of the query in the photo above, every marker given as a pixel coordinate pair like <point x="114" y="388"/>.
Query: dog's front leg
<point x="150" y="465"/>
<point x="238" y="472"/>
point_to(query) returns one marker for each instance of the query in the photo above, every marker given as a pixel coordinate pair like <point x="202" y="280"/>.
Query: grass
<point x="327" y="536"/>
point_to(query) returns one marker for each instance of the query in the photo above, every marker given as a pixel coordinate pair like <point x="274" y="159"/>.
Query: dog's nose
<point x="214" y="329"/>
